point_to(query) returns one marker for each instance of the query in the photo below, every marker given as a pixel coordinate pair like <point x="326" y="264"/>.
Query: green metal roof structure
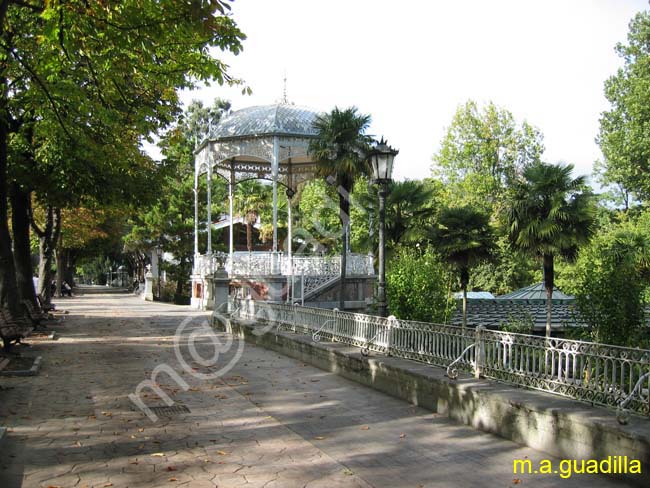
<point x="534" y="292"/>
<point x="525" y="304"/>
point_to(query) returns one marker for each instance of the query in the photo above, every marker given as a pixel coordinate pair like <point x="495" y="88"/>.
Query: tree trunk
<point x="47" y="239"/>
<point x="58" y="256"/>
<point x="249" y="236"/>
<point x="70" y="266"/>
<point x="549" y="285"/>
<point x="67" y="266"/>
<point x="20" y="203"/>
<point x="44" y="269"/>
<point x="464" y="281"/>
<point x="142" y="259"/>
<point x="8" y="293"/>
<point x="344" y="216"/>
<point x="182" y="277"/>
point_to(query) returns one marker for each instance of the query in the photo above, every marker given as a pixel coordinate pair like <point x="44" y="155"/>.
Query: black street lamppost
<point x="381" y="159"/>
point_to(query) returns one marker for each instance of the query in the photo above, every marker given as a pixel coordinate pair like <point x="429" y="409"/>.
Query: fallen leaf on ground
<point x="171" y="468"/>
<point x="516" y="481"/>
<point x="319" y="438"/>
<point x="364" y="427"/>
<point x="222" y="453"/>
<point x="158" y="454"/>
<point x="173" y="479"/>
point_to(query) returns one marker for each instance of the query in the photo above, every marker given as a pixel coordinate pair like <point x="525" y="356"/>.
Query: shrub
<point x="610" y="286"/>
<point x="519" y="324"/>
<point x="418" y="286"/>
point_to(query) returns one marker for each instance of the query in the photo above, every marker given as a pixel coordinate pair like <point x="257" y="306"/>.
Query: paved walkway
<point x="268" y="422"/>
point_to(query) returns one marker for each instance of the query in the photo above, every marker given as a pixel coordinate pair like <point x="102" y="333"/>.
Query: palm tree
<point x="341" y="149"/>
<point x="550" y="214"/>
<point x="464" y="238"/>
<point x="250" y="199"/>
<point x="408" y="210"/>
<point x="407" y="207"/>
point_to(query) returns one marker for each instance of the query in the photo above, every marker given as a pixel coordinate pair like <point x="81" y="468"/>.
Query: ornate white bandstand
<point x="270" y="143"/>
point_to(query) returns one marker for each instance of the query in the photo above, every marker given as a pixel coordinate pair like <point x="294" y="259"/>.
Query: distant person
<point x="66" y="289"/>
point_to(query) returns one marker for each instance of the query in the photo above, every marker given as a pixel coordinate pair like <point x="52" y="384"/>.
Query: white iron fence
<point x="596" y="373"/>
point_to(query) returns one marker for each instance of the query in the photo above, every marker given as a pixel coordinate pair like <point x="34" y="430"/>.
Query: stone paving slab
<point x="269" y="421"/>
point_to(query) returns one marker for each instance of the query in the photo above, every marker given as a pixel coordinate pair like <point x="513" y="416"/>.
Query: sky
<point x="410" y="64"/>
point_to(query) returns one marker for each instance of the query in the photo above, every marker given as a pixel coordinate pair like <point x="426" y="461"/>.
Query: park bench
<point x="44" y="305"/>
<point x="13" y="329"/>
<point x="38" y="317"/>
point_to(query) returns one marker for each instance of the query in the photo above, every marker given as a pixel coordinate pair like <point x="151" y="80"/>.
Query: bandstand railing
<point x="600" y="374"/>
<point x="268" y="263"/>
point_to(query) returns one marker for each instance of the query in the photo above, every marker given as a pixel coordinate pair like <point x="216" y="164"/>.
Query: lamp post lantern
<point x="382" y="157"/>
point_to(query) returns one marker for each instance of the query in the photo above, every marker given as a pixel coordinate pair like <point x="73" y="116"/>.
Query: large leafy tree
<point x="624" y="137"/>
<point x="86" y="233"/>
<point x="64" y="174"/>
<point x="482" y="151"/>
<point x="317" y="216"/>
<point x="102" y="75"/>
<point x="550" y="214"/>
<point x="464" y="238"/>
<point x="169" y="221"/>
<point x="341" y="148"/>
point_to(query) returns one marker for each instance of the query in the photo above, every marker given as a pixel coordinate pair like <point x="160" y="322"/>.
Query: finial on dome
<point x="285" y="100"/>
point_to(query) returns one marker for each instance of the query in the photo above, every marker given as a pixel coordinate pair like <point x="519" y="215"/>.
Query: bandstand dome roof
<point x="264" y="120"/>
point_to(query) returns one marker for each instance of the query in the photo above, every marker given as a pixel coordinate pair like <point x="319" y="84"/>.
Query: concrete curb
<point x="33" y="371"/>
<point x="559" y="426"/>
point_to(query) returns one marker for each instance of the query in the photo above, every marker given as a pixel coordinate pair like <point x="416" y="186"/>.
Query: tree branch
<point x="40" y="83"/>
<point x="37" y="230"/>
<point x="34" y="8"/>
